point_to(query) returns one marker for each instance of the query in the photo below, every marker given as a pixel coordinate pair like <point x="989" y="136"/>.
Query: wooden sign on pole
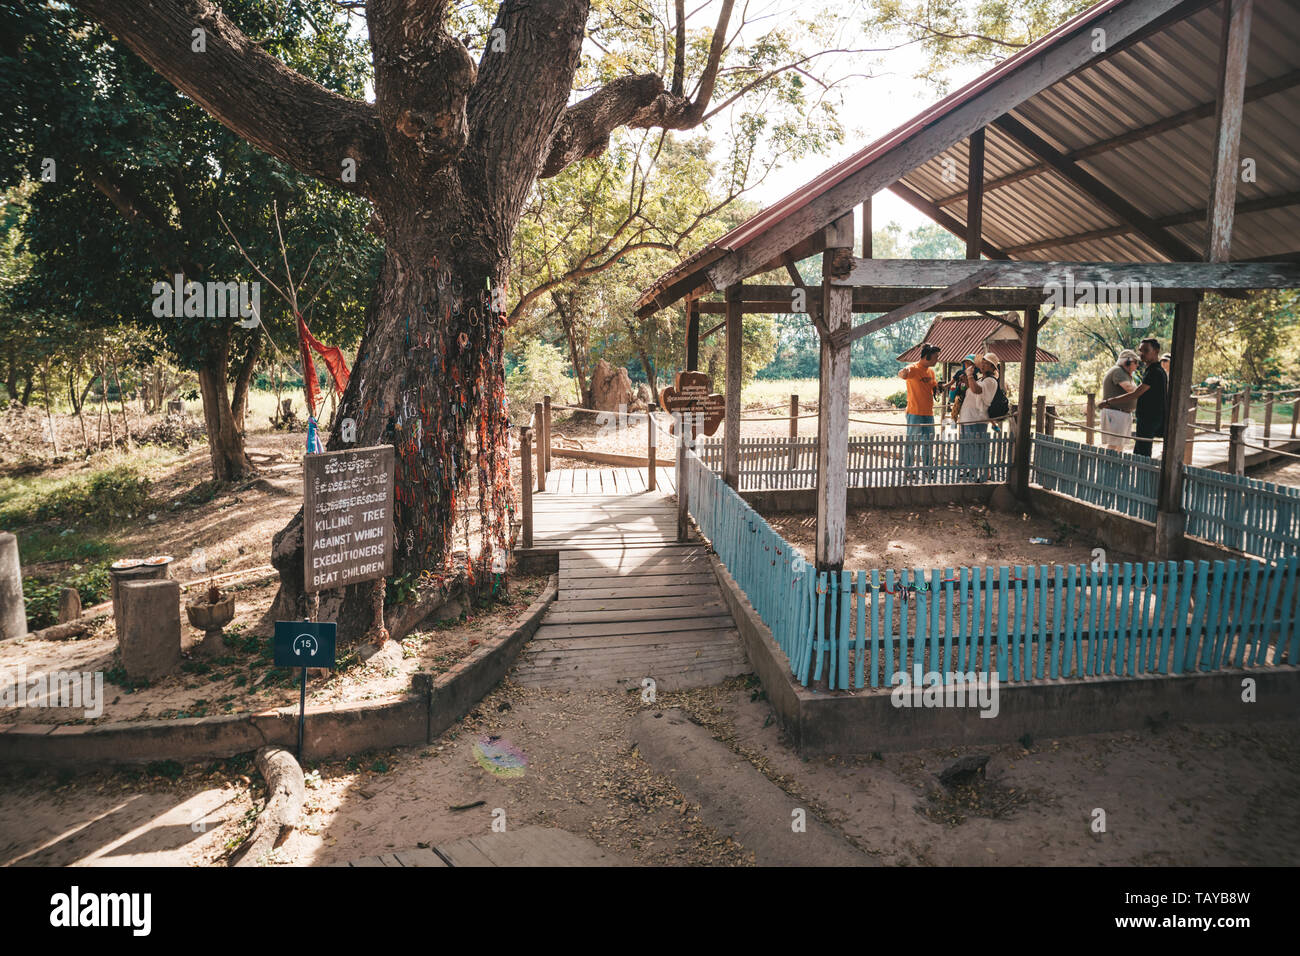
<point x="691" y="397"/>
<point x="348" y="517"/>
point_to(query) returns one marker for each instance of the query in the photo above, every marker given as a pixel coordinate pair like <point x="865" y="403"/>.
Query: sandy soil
<point x="948" y="536"/>
<point x="1172" y="795"/>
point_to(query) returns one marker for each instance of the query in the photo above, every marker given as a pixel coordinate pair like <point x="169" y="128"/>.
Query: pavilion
<point x="1148" y="142"/>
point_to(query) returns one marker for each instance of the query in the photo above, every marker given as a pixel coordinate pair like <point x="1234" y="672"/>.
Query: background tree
<point x="132" y="179"/>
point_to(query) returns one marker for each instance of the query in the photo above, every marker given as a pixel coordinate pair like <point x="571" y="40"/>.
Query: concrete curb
<point x="332" y="731"/>
<point x="864" y="722"/>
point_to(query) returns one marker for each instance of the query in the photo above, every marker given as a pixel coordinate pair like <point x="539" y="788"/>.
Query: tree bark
<point x="224" y="418"/>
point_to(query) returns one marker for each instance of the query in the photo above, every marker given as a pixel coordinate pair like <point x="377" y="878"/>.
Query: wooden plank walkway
<point x="608" y="481"/>
<point x="633" y="601"/>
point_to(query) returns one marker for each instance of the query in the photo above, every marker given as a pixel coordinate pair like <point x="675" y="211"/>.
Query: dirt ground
<point x="1172" y="795"/>
<point x="947" y="536"/>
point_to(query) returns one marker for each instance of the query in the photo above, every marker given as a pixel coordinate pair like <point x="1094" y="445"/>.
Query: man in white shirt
<point x="1117" y="423"/>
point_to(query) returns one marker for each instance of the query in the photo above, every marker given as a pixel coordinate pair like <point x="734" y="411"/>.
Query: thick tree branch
<point x="639" y="101"/>
<point x="249" y="91"/>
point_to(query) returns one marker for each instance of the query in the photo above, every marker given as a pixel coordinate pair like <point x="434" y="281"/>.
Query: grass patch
<point x="41" y="593"/>
<point x="106" y="497"/>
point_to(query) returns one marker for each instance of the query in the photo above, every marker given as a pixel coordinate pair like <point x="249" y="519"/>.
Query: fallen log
<point x="61" y="632"/>
<point x="285" y="792"/>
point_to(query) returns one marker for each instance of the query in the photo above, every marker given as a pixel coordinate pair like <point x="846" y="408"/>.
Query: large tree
<point x="447" y="154"/>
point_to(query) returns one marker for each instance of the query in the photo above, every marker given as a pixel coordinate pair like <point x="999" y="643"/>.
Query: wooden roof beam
<point x="1028" y="274"/>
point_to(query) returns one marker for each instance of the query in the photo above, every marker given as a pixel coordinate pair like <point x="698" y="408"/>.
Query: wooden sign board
<point x="348" y="517"/>
<point x="691" y="395"/>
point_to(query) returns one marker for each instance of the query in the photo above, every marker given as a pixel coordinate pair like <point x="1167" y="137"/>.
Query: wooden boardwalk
<point x="633" y="602"/>
<point x="608" y="481"/>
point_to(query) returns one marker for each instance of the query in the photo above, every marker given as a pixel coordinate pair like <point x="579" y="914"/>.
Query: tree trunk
<point x="225" y="428"/>
<point x="27" y="389"/>
<point x="121" y="400"/>
<point x="649" y="376"/>
<point x="422" y="391"/>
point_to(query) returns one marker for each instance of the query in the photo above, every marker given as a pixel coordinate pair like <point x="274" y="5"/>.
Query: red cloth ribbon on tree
<point x="332" y="357"/>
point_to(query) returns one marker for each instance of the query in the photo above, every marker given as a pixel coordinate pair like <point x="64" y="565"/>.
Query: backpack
<point x="998" y="405"/>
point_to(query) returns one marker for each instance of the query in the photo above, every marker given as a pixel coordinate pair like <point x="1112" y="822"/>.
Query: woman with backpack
<point x="984" y="396"/>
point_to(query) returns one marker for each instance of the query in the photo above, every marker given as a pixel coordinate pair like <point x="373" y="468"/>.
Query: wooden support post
<point x="526" y="467"/>
<point x="1218" y="408"/>
<point x="1268" y="417"/>
<point x="1190" y="447"/>
<point x="1091" y="418"/>
<point x="546" y="431"/>
<point x="1040" y="415"/>
<point x="682" y="442"/>
<point x="1019" y="473"/>
<point x="975" y="193"/>
<point x="540" y="421"/>
<point x="833" y="407"/>
<point x="1237" y="448"/>
<point x="1234" y="43"/>
<point x="731" y="425"/>
<point x="1049" y="418"/>
<point x="692" y="335"/>
<point x="1245" y="404"/>
<point x="794" y="431"/>
<point x="652" y="448"/>
<point x="1236" y="407"/>
<point x="1295" y="413"/>
<point x="1171" y="520"/>
<point x="866" y="228"/>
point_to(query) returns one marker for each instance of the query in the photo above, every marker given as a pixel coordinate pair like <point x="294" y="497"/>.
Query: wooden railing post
<point x="1295" y="412"/>
<point x="546" y="432"/>
<point x="651" y="445"/>
<point x="683" y="502"/>
<point x="1091" y="419"/>
<point x="1050" y="418"/>
<point x="1236" y="448"/>
<point x="1188" y="449"/>
<point x="794" y="431"/>
<point x="540" y="421"/>
<point x="1236" y="408"/>
<point x="526" y="465"/>
<point x="1245" y="404"/>
<point x="1040" y="415"/>
<point x="1268" y="417"/>
<point x="1218" y="408"/>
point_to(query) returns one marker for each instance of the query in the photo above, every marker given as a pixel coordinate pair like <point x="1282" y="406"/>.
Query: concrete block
<point x="13" y="611"/>
<point x="150" y="633"/>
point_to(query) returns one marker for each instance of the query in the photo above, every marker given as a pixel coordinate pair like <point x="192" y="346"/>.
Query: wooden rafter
<point x="846" y="336"/>
<point x="1102" y="194"/>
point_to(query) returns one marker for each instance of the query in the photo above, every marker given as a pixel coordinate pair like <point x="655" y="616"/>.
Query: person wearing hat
<point x="981" y="386"/>
<point x="1117" y="422"/>
<point x="1164" y="363"/>
<point x="921" y="388"/>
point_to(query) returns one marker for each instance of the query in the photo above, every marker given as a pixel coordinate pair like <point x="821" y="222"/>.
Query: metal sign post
<point x="304" y="644"/>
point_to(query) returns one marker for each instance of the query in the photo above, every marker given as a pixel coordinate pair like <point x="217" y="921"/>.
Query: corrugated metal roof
<point x="960" y="335"/>
<point x="1165" y="176"/>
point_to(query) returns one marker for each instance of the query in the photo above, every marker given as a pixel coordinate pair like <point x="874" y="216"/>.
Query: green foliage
<point x="106" y="497"/>
<point x="41" y="593"/>
<point x="540" y="372"/>
<point x="898" y="399"/>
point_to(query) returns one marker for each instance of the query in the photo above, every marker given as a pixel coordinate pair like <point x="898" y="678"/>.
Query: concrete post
<point x="150" y="639"/>
<point x="13" y="611"/>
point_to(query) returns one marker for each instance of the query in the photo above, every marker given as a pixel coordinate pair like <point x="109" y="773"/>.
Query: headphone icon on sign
<point x="305" y="643"/>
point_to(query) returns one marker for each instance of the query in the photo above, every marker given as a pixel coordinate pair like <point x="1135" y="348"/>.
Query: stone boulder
<point x="610" y="388"/>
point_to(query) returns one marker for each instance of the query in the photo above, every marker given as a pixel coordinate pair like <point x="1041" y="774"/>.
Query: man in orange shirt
<point x="921" y="386"/>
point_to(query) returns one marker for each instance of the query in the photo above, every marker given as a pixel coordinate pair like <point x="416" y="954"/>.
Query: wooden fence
<point x="1119" y="481"/>
<point x="1245" y="514"/>
<point x="874" y="461"/>
<point x="859" y="629"/>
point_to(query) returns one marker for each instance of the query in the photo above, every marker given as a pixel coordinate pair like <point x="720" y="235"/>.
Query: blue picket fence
<point x="858" y="629"/>
<point x="1255" y="517"/>
<point x="1108" y="479"/>
<point x="1248" y="515"/>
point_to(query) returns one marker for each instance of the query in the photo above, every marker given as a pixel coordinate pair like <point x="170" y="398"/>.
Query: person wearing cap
<point x="921" y="388"/>
<point x="1164" y="363"/>
<point x="1150" y="400"/>
<point x="1117" y="423"/>
<point x="981" y="386"/>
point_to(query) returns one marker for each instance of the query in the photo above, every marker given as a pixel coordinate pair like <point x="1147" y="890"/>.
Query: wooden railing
<point x="1119" y="481"/>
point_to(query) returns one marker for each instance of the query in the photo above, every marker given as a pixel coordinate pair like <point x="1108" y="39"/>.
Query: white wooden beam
<point x="1036" y="275"/>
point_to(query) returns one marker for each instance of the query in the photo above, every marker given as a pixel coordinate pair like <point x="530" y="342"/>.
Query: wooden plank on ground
<point x="592" y="594"/>
<point x="558" y="614"/>
<point x="634" y="632"/>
